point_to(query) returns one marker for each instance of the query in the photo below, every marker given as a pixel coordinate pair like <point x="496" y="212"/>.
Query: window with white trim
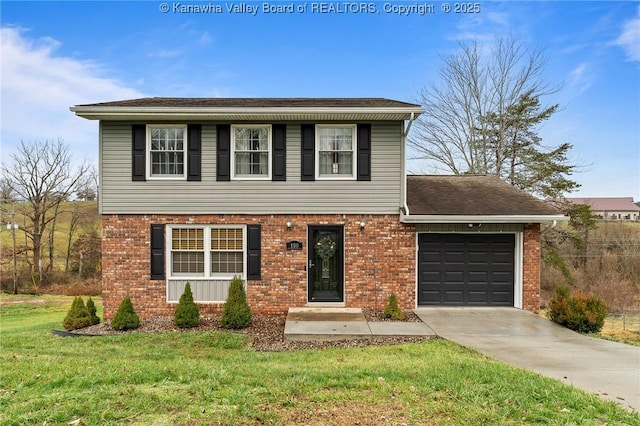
<point x="207" y="251"/>
<point x="167" y="146"/>
<point x="336" y="147"/>
<point x="251" y="151"/>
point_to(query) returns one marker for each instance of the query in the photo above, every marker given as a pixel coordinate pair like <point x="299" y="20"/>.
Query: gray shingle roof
<point x="256" y="102"/>
<point x="471" y="195"/>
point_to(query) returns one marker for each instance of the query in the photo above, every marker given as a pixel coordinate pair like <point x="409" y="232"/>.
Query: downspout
<point x="403" y="185"/>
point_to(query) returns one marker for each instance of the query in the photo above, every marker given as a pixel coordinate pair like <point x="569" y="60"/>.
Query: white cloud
<point x="164" y="54"/>
<point x="579" y="78"/>
<point x="630" y="38"/>
<point x="39" y="85"/>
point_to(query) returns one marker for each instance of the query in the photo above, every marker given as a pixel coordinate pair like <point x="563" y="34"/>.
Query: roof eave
<point x="417" y="219"/>
<point x="221" y="113"/>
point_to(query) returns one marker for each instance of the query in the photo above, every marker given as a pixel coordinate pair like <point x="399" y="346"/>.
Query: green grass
<point x="215" y="378"/>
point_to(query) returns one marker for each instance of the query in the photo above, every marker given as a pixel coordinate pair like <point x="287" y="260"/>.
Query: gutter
<point x="418" y="219"/>
<point x="115" y="112"/>
<point x="403" y="185"/>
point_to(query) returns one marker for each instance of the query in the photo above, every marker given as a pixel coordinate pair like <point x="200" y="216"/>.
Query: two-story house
<point x="308" y="201"/>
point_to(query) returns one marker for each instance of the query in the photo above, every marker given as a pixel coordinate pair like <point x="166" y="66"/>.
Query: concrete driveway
<point x="608" y="369"/>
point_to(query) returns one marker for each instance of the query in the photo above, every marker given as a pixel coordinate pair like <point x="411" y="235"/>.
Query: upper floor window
<point x="251" y="151"/>
<point x="336" y="145"/>
<point x="166" y="144"/>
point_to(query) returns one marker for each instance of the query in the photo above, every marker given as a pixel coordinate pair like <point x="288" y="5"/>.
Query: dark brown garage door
<point x="466" y="269"/>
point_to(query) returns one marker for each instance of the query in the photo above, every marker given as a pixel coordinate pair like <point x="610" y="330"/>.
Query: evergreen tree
<point x="125" y="317"/>
<point x="516" y="152"/>
<point x="393" y="311"/>
<point x="91" y="307"/>
<point x="78" y="315"/>
<point x="236" y="312"/>
<point x="187" y="313"/>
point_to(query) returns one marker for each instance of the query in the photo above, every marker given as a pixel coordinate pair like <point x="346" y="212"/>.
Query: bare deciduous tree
<point x="41" y="174"/>
<point x="6" y="191"/>
<point x="88" y="188"/>
<point x="483" y="115"/>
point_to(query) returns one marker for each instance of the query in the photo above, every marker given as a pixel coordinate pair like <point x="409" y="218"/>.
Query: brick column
<point x="531" y="268"/>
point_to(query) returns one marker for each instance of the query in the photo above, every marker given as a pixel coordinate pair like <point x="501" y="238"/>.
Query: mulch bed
<point x="264" y="333"/>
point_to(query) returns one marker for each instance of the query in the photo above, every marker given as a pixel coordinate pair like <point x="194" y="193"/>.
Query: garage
<point x="466" y="269"/>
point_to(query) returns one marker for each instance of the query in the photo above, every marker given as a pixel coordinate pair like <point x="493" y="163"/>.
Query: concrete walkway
<point x="608" y="369"/>
<point x="325" y="324"/>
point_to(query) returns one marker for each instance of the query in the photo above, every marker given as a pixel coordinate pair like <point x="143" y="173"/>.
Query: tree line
<point x="36" y="186"/>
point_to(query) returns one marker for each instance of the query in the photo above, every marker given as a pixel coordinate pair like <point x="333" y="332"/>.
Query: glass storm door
<point x="326" y="264"/>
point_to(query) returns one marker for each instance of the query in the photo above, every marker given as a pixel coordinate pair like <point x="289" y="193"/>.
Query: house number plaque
<point x="294" y="245"/>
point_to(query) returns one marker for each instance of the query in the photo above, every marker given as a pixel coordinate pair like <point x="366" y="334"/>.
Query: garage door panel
<point x="454" y="257"/>
<point x="466" y="269"/>
<point x="454" y="278"/>
<point x="430" y="297"/>
<point x="453" y="297"/>
<point x="478" y="277"/>
<point x="501" y="277"/>
<point x="477" y="297"/>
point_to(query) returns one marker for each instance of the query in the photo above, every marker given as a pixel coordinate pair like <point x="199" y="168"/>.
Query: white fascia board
<point x="115" y="113"/>
<point x="416" y="219"/>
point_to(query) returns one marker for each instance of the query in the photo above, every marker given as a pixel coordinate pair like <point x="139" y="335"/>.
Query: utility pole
<point x="14" y="225"/>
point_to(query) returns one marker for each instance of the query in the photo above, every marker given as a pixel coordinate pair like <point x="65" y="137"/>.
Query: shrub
<point x="187" y="313"/>
<point x="78" y="315"/>
<point x="392" y="310"/>
<point x="578" y="312"/>
<point x="125" y="318"/>
<point x="91" y="307"/>
<point x="236" y="312"/>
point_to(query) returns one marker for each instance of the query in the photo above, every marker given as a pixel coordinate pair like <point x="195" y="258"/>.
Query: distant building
<point x="611" y="208"/>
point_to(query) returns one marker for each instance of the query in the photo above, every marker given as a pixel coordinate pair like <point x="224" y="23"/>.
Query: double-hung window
<point x="207" y="251"/>
<point x="251" y="146"/>
<point x="187" y="252"/>
<point x="227" y="251"/>
<point x="167" y="145"/>
<point x="336" y="145"/>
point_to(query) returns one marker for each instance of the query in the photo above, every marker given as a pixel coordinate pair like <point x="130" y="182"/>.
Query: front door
<point x="326" y="264"/>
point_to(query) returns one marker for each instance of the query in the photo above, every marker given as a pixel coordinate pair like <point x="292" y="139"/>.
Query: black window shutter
<point x="279" y="152"/>
<point x="364" y="152"/>
<point x="223" y="152"/>
<point x="138" y="152"/>
<point x="157" y="252"/>
<point x="194" y="149"/>
<point x="308" y="134"/>
<point x="253" y="252"/>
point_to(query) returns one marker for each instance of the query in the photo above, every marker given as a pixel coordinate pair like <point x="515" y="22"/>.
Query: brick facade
<point x="379" y="260"/>
<point x="531" y="268"/>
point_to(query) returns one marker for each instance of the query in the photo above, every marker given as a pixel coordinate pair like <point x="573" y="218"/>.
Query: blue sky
<point x="58" y="54"/>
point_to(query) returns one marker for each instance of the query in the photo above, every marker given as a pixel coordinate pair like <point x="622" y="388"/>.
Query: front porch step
<point x="325" y="314"/>
<point x="325" y="324"/>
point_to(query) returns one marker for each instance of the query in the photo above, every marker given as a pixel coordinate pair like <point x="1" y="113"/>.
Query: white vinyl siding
<point x="204" y="291"/>
<point x="381" y="195"/>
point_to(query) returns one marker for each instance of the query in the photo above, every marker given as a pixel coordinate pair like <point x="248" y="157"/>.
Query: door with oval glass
<point x="326" y="263"/>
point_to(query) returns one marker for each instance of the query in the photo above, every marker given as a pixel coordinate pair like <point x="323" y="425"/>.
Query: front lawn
<point x="216" y="378"/>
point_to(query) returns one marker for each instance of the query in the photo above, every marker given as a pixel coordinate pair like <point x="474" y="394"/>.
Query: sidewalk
<point x="326" y="324"/>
